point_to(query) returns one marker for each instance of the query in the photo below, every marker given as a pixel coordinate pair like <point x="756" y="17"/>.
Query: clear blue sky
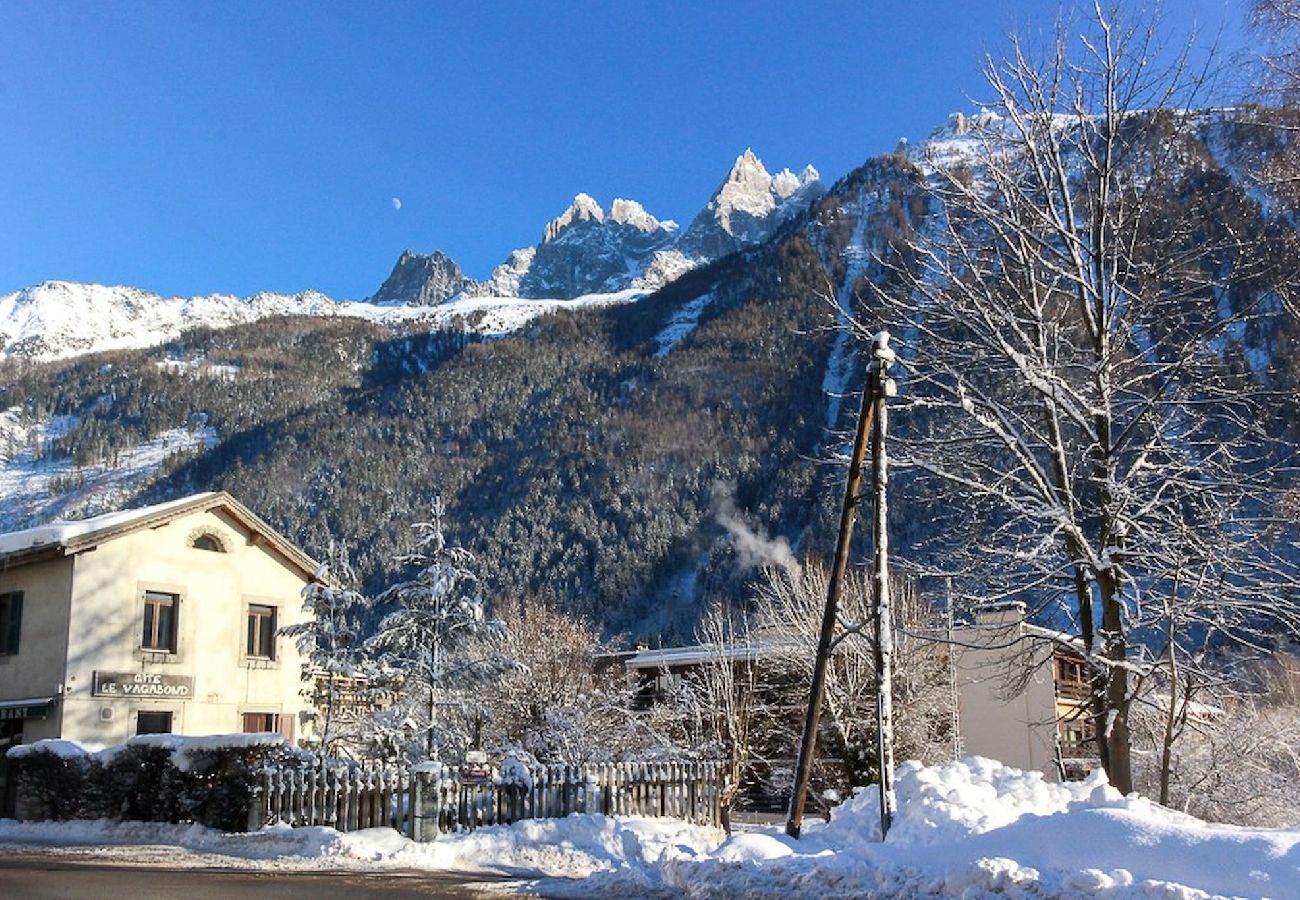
<point x="239" y="146"/>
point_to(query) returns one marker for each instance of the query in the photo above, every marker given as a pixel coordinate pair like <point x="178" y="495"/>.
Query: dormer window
<point x="208" y="541"/>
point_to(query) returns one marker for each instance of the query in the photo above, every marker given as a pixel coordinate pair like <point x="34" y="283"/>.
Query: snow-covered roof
<point x="63" y="538"/>
<point x="61" y="532"/>
<point x="666" y="657"/>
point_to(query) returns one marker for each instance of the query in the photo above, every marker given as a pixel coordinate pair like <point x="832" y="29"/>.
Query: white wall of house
<point x="37" y="669"/>
<point x="1007" y="694"/>
<point x="88" y="611"/>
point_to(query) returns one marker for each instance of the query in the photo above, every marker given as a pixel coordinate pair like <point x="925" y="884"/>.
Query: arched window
<point x="208" y="541"/>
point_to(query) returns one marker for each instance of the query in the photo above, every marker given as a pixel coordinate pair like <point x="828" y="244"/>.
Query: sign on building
<point x="144" y="685"/>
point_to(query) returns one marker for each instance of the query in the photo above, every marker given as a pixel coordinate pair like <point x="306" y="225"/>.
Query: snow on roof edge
<point x="62" y="531"/>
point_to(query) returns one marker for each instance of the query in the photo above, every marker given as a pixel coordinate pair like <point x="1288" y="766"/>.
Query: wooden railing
<point x="432" y="798"/>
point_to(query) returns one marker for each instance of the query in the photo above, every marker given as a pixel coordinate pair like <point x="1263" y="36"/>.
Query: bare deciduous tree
<point x="1067" y="320"/>
<point x="558" y="706"/>
<point x="789" y="606"/>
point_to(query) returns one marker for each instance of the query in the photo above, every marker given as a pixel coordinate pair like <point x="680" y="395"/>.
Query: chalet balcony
<point x="1073" y="690"/>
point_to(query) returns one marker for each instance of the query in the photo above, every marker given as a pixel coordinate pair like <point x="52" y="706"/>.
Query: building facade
<point x="1019" y="691"/>
<point x="159" y="619"/>
<point x="1022" y="694"/>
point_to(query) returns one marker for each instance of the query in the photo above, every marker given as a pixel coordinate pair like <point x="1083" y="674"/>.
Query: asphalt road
<point x="38" y="876"/>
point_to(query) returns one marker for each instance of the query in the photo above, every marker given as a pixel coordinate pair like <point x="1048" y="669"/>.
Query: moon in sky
<point x="397" y="202"/>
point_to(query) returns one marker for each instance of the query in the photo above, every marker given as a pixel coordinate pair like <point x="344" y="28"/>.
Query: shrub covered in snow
<point x="52" y="780"/>
<point x="211" y="780"/>
<point x="138" y="782"/>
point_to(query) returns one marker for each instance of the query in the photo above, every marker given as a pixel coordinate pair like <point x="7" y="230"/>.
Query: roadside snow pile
<point x="976" y="828"/>
<point x="574" y="847"/>
<point x="973" y="828"/>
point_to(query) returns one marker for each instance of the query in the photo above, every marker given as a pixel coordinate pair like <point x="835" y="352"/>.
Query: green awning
<point x="30" y="708"/>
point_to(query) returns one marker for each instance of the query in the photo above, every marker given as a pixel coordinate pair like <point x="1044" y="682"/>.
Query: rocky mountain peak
<point x="584" y="208"/>
<point x="422" y="280"/>
<point x="747" y="207"/>
<point x="634" y="215"/>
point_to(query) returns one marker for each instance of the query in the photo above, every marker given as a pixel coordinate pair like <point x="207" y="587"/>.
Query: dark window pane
<point x="257" y="722"/>
<point x="261" y="632"/>
<point x="207" y="542"/>
<point x="159" y="632"/>
<point x="154" y="723"/>
<point x="11" y="619"/>
<point x="268" y="635"/>
<point x="166" y="627"/>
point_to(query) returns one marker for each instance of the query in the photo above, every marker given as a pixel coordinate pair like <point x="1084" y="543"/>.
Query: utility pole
<point x="881" y="619"/>
<point x="878" y="386"/>
<point x="952" y="675"/>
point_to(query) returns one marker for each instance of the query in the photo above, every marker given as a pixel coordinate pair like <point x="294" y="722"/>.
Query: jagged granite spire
<point x="420" y="280"/>
<point x="747" y="207"/>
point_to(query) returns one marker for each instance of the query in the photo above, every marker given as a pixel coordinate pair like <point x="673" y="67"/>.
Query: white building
<point x="1020" y="690"/>
<point x="160" y="619"/>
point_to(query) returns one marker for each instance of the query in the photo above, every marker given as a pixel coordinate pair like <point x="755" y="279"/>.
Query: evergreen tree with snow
<point x="437" y="640"/>
<point x="328" y="640"/>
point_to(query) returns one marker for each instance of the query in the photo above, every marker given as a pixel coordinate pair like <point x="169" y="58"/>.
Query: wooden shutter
<point x="15" y="603"/>
<point x="286" y="726"/>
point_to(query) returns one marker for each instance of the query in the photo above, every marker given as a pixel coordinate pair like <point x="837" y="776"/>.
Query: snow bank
<point x="577" y="846"/>
<point x="976" y="828"/>
<point x="973" y="828"/>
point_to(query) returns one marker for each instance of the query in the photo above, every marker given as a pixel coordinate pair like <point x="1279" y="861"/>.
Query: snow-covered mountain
<point x="587" y="255"/>
<point x="747" y="207"/>
<point x="584" y="250"/>
<point x="587" y="249"/>
<point x="422" y="280"/>
<point x="61" y="319"/>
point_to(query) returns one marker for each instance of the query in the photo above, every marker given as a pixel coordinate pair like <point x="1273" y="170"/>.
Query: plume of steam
<point x="753" y="548"/>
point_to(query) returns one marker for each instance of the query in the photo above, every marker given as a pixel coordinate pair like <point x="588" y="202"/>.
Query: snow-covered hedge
<point x="211" y="780"/>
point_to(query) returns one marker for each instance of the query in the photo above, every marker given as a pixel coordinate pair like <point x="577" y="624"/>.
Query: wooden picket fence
<point x="432" y="799"/>
<point x="341" y="796"/>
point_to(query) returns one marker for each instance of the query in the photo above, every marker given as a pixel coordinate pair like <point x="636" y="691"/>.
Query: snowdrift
<point x="973" y="828"/>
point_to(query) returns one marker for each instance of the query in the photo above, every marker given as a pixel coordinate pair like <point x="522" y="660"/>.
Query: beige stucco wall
<point x="1007" y="697"/>
<point x="37" y="669"/>
<point x="215" y="590"/>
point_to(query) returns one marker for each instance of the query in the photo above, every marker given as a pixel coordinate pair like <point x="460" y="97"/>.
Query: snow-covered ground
<point x="971" y="829"/>
<point x="36" y="488"/>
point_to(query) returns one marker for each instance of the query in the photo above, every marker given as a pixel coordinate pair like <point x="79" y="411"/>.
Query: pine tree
<point x="438" y="639"/>
<point x="328" y="640"/>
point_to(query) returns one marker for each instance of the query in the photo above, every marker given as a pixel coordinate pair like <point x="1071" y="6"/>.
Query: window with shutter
<point x="11" y="622"/>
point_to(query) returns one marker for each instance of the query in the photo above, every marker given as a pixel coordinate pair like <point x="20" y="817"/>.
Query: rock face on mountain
<point x="584" y="250"/>
<point x="747" y="207"/>
<point x="422" y="280"/>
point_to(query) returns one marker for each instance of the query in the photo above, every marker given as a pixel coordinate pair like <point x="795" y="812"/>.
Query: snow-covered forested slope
<point x="585" y="450"/>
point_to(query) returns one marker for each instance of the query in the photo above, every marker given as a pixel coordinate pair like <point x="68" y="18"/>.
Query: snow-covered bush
<point x="211" y="780"/>
<point x="1236" y="760"/>
<point x="53" y="780"/>
<point x="140" y="783"/>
